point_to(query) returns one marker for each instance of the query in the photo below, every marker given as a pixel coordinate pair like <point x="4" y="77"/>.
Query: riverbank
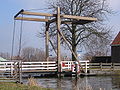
<point x="16" y="86"/>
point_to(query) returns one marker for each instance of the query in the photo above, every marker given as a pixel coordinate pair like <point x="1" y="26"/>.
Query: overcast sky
<point x="9" y="8"/>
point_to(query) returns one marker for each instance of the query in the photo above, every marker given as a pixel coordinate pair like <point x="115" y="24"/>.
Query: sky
<point x="114" y="19"/>
<point x="9" y="8"/>
<point x="30" y="29"/>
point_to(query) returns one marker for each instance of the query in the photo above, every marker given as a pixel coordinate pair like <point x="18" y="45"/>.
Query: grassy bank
<point x="14" y="86"/>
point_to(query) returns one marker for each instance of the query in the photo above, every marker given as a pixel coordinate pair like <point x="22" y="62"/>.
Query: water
<point x="85" y="83"/>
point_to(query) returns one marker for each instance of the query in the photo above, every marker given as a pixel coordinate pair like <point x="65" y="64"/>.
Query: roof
<point x="2" y="59"/>
<point x="116" y="41"/>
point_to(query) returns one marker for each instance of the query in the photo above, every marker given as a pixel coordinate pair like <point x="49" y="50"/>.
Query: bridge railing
<point x="10" y="71"/>
<point x="39" y="66"/>
<point x="71" y="65"/>
<point x="9" y="66"/>
<point x="104" y="66"/>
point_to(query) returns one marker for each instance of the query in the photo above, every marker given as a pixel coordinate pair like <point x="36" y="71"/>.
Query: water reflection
<point x="116" y="82"/>
<point x="81" y="84"/>
<point x="86" y="83"/>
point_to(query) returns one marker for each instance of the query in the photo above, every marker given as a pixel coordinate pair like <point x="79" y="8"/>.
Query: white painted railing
<point x="7" y="66"/>
<point x="31" y="66"/>
<point x="70" y="65"/>
<point x="10" y="71"/>
<point x="39" y="65"/>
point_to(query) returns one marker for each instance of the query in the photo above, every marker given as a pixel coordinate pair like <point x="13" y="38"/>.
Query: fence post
<point x="101" y="66"/>
<point x="61" y="65"/>
<point x="20" y="71"/>
<point x="76" y="69"/>
<point x="11" y="69"/>
<point x="4" y="65"/>
<point x="113" y="66"/>
<point x="15" y="70"/>
<point x="86" y="67"/>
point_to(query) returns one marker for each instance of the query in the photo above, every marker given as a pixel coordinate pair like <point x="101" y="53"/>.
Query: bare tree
<point x="5" y="55"/>
<point x="32" y="54"/>
<point x="78" y="35"/>
<point x="98" y="45"/>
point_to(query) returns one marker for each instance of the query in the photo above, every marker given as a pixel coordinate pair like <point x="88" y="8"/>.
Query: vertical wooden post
<point x="20" y="71"/>
<point x="47" y="41"/>
<point x="101" y="66"/>
<point x="58" y="40"/>
<point x="11" y="69"/>
<point x="86" y="67"/>
<point x="113" y="66"/>
<point x="76" y="69"/>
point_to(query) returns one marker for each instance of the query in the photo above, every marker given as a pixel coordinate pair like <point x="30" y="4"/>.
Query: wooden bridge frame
<point x="59" y="19"/>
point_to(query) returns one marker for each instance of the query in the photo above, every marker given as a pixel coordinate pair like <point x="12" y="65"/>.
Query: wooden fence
<point x="104" y="66"/>
<point x="39" y="66"/>
<point x="10" y="71"/>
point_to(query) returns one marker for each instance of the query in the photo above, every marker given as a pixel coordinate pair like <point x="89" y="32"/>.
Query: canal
<point x="82" y="83"/>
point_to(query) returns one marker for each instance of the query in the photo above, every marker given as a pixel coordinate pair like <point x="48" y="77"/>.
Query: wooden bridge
<point x="48" y="18"/>
<point x="13" y="70"/>
<point x="41" y="66"/>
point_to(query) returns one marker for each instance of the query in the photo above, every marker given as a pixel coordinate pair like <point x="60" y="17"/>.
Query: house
<point x="2" y="59"/>
<point x="115" y="49"/>
<point x="101" y="59"/>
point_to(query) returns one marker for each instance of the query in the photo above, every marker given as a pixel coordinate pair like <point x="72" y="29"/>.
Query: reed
<point x="32" y="82"/>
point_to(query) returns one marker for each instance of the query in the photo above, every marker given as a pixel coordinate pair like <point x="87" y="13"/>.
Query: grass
<point x="15" y="86"/>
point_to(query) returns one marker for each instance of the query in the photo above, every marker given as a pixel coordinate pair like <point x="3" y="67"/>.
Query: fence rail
<point x="43" y="66"/>
<point x="104" y="66"/>
<point x="10" y="71"/>
<point x="28" y="66"/>
<point x="39" y="66"/>
<point x="71" y="65"/>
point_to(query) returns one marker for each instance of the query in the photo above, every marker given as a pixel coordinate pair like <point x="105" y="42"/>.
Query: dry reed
<point x="32" y="82"/>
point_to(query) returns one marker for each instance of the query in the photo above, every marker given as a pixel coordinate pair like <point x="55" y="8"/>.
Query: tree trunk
<point x="74" y="41"/>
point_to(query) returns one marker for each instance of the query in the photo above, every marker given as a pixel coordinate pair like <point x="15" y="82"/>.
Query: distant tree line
<point x="32" y="54"/>
<point x="5" y="55"/>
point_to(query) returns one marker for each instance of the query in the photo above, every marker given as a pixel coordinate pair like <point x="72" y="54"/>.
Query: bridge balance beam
<point x="79" y="19"/>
